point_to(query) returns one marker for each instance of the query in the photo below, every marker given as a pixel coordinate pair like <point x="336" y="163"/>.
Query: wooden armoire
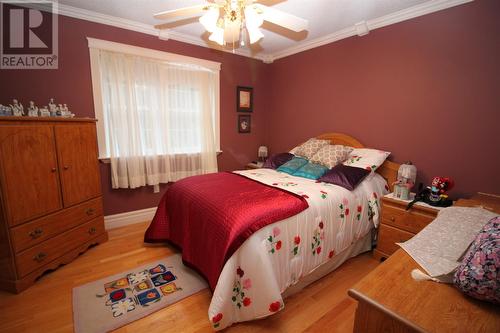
<point x="50" y="196"/>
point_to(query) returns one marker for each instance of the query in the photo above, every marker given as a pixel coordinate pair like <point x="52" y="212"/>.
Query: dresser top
<point x="46" y="119"/>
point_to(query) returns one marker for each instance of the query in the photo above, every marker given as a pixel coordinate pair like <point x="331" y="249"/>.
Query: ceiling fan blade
<point x="186" y="11"/>
<point x="283" y="19"/>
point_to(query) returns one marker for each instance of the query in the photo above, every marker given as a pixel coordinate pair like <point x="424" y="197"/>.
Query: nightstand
<point x="398" y="225"/>
<point x="254" y="165"/>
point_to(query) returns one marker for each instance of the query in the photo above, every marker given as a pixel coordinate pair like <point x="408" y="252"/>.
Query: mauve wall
<point x="427" y="89"/>
<point x="71" y="84"/>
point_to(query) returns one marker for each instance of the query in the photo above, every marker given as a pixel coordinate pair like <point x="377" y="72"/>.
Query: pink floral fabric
<point x="479" y="274"/>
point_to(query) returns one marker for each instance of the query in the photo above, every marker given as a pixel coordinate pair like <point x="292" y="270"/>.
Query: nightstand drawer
<point x="389" y="236"/>
<point x="413" y="221"/>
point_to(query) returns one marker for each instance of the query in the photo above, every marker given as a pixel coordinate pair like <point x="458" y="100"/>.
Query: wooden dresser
<point x="398" y="224"/>
<point x="390" y="300"/>
<point x="50" y="196"/>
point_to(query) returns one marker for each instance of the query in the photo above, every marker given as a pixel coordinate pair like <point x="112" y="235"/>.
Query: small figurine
<point x="59" y="110"/>
<point x="439" y="187"/>
<point x="32" y="110"/>
<point x="17" y="108"/>
<point x="52" y="108"/>
<point x="44" y="112"/>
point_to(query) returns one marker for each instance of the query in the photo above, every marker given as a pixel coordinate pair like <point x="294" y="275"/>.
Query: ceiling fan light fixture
<point x="217" y="36"/>
<point x="210" y="18"/>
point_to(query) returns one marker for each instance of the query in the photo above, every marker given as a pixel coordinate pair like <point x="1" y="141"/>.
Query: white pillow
<point x="309" y="148"/>
<point x="331" y="155"/>
<point x="366" y="158"/>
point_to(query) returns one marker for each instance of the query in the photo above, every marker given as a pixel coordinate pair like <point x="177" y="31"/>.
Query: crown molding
<point x="361" y="28"/>
<point x="396" y="17"/>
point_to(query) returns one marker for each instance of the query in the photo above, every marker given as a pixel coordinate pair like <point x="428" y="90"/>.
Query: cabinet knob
<point x="90" y="211"/>
<point x="66" y="167"/>
<point x="39" y="257"/>
<point x="36" y="233"/>
<point x="393" y="218"/>
<point x="53" y="170"/>
<point x="92" y="230"/>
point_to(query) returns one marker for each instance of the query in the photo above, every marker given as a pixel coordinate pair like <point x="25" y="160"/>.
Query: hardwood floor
<point x="47" y="306"/>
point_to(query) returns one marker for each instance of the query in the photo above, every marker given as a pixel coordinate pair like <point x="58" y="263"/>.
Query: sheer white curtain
<point x="159" y="118"/>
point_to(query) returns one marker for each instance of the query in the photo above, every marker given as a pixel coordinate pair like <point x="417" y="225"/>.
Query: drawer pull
<point x="53" y="169"/>
<point x="39" y="257"/>
<point x="393" y="218"/>
<point x="36" y="233"/>
<point x="92" y="230"/>
<point x="66" y="167"/>
<point x="90" y="211"/>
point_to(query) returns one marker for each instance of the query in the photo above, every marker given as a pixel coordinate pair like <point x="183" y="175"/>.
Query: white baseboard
<point x="123" y="219"/>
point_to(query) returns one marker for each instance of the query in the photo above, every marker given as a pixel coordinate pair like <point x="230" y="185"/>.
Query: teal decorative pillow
<point x="311" y="171"/>
<point x="293" y="165"/>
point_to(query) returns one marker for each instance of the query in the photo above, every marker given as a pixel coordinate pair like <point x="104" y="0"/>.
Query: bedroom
<point x="423" y="87"/>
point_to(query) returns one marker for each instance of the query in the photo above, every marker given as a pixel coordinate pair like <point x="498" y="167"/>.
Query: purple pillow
<point x="276" y="160"/>
<point x="346" y="176"/>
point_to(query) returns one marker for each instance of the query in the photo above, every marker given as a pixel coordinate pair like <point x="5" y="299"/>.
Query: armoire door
<point x="29" y="172"/>
<point x="77" y="154"/>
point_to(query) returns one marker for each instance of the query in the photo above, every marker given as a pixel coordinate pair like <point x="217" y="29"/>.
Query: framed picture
<point x="244" y="99"/>
<point x="244" y="123"/>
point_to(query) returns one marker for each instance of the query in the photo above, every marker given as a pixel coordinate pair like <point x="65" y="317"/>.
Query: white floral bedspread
<point x="278" y="255"/>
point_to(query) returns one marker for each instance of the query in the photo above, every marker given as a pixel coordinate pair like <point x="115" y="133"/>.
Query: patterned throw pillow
<point x="366" y="158"/>
<point x="479" y="274"/>
<point x="293" y="165"/>
<point x="310" y="147"/>
<point x="311" y="171"/>
<point x="331" y="155"/>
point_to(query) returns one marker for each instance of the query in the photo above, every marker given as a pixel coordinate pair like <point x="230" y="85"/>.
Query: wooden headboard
<point x="388" y="170"/>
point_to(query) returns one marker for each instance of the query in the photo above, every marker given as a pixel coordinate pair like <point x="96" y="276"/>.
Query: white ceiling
<point x="329" y="20"/>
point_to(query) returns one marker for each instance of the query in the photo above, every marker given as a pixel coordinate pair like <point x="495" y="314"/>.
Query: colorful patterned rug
<point x="109" y="303"/>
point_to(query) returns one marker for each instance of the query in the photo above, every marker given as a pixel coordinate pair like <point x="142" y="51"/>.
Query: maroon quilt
<point x="210" y="216"/>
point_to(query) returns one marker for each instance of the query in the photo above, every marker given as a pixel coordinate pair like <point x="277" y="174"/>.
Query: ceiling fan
<point x="228" y="20"/>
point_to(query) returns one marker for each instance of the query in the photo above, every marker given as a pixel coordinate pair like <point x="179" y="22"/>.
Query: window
<point x="156" y="110"/>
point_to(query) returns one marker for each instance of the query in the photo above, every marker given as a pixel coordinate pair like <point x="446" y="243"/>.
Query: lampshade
<point x="209" y="19"/>
<point x="262" y="151"/>
<point x="253" y="21"/>
<point x="217" y="36"/>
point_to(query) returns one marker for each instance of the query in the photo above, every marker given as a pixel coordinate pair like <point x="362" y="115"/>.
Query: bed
<point x="316" y="227"/>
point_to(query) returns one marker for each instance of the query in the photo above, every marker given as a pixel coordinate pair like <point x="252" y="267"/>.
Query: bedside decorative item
<point x="262" y="153"/>
<point x="244" y="123"/>
<point x="244" y="99"/>
<point x="439" y="187"/>
<point x="407" y="175"/>
<point x="17" y="108"/>
<point x="32" y="110"/>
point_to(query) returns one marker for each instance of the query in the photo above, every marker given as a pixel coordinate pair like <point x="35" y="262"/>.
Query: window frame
<point x="99" y="44"/>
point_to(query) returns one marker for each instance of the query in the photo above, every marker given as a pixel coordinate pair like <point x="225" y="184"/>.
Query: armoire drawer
<point x="412" y="221"/>
<point x="43" y="253"/>
<point x="389" y="236"/>
<point x="39" y="230"/>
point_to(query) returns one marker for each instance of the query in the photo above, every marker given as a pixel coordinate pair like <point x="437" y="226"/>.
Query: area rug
<point x="117" y="300"/>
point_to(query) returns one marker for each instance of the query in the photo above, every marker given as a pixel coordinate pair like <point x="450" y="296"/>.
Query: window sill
<point x="107" y="160"/>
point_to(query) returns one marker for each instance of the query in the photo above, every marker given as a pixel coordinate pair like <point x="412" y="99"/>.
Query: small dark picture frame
<point x="244" y="123"/>
<point x="244" y="99"/>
